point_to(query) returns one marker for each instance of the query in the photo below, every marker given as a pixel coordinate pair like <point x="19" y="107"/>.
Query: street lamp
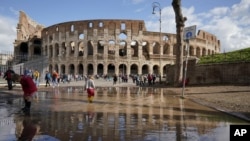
<point x="157" y="5"/>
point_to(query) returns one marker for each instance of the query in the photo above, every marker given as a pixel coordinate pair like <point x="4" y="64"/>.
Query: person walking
<point x="114" y="79"/>
<point x="8" y="75"/>
<point x="90" y="87"/>
<point x="29" y="88"/>
<point x="36" y="76"/>
<point x="55" y="79"/>
<point x="47" y="78"/>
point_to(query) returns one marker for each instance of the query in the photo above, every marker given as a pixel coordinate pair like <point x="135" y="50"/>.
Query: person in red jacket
<point x="29" y="88"/>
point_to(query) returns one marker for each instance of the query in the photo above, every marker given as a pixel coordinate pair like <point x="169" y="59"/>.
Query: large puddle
<point x="117" y="114"/>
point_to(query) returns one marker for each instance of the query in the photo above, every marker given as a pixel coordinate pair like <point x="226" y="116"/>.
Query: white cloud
<point x="7" y="33"/>
<point x="230" y="24"/>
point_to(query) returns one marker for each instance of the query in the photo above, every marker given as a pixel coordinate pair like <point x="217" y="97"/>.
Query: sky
<point x="229" y="20"/>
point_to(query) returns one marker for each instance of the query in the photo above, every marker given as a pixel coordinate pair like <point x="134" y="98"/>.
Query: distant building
<point x="6" y="58"/>
<point x="101" y="46"/>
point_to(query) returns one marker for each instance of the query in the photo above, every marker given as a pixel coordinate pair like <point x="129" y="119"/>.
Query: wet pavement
<point x="117" y="114"/>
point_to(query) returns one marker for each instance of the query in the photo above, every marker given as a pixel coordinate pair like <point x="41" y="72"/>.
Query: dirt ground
<point x="234" y="100"/>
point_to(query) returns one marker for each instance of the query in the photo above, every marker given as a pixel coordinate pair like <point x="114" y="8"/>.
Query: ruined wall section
<point x="209" y="41"/>
<point x="27" y="44"/>
<point x="27" y="28"/>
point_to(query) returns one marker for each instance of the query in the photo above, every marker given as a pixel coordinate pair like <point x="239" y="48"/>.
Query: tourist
<point x="47" y="78"/>
<point x="55" y="79"/>
<point x="90" y="87"/>
<point x="29" y="88"/>
<point x="36" y="76"/>
<point x="8" y="76"/>
<point x="114" y="79"/>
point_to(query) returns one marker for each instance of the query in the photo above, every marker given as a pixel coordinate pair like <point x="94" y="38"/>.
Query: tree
<point x="180" y="23"/>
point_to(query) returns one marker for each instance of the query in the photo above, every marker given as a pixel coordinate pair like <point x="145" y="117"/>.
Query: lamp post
<point x="157" y="5"/>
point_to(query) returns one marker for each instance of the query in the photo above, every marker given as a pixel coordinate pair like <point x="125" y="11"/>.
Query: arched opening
<point x="111" y="69"/>
<point x="71" y="69"/>
<point x="134" y="69"/>
<point x="90" y="69"/>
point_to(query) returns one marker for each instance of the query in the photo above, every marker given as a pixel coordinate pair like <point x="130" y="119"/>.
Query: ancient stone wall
<point x="107" y="46"/>
<point x="212" y="74"/>
<point x="112" y="47"/>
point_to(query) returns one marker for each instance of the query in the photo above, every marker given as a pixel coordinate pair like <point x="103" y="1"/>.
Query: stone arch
<point x="145" y="49"/>
<point x="71" y="69"/>
<point x="198" y="52"/>
<point x="72" y="47"/>
<point x="191" y="51"/>
<point x="80" y="69"/>
<point x="63" y="49"/>
<point x="46" y="50"/>
<point x="90" y="69"/>
<point x="145" y="69"/>
<point x="50" y="68"/>
<point x="204" y="51"/>
<point x="80" y="49"/>
<point x="100" y="47"/>
<point x="62" y="68"/>
<point x="90" y="48"/>
<point x="111" y="49"/>
<point x="156" y="48"/>
<point x="166" y="49"/>
<point x="156" y="69"/>
<point x="56" y="49"/>
<point x="81" y="36"/>
<point x="122" y="36"/>
<point x="100" y="69"/>
<point x="123" y="48"/>
<point x="134" y="69"/>
<point x="50" y="51"/>
<point x="134" y="48"/>
<point x="24" y="49"/>
<point x="56" y="68"/>
<point x="37" y="48"/>
<point x="122" y="69"/>
<point x="111" y="69"/>
<point x="208" y="52"/>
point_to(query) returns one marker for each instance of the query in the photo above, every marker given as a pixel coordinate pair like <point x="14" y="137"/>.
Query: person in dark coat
<point x="8" y="75"/>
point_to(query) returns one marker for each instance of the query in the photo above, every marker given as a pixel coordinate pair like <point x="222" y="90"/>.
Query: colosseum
<point x="101" y="46"/>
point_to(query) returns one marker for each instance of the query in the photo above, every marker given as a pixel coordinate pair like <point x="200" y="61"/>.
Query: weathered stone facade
<point x="214" y="74"/>
<point x="105" y="46"/>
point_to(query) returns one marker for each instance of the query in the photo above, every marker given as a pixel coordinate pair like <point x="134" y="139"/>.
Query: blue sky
<point x="229" y="20"/>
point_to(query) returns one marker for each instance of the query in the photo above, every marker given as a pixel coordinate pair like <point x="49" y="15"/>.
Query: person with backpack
<point x="55" y="76"/>
<point x="8" y="76"/>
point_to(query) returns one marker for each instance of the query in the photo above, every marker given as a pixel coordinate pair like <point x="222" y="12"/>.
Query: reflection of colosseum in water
<point x="103" y="46"/>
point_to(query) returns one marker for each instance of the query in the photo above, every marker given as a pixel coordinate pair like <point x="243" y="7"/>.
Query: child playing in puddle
<point x="29" y="88"/>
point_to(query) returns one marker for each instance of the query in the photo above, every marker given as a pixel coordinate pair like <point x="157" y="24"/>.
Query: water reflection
<point x="125" y="114"/>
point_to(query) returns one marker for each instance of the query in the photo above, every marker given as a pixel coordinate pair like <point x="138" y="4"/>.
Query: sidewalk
<point x="98" y="82"/>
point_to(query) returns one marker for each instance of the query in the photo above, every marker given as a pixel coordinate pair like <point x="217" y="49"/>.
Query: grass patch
<point x="242" y="55"/>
